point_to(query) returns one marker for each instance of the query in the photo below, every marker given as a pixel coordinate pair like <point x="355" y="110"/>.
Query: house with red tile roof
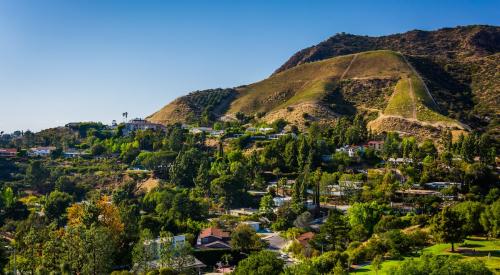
<point x="375" y="144"/>
<point x="8" y="152"/>
<point x="213" y="237"/>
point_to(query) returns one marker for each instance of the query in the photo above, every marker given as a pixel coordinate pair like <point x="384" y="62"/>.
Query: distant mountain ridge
<point x="446" y="43"/>
<point x="418" y="82"/>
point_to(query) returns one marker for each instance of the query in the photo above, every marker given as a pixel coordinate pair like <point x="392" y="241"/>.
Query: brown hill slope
<point x="457" y="68"/>
<point x="209" y="103"/>
<point x="459" y="65"/>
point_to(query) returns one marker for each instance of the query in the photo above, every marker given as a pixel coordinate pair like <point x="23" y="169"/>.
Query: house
<point x="375" y="145"/>
<point x="213" y="238"/>
<point x="275" y="241"/>
<point x="216" y="133"/>
<point x="280" y="201"/>
<point x="252" y="224"/>
<point x="199" y="130"/>
<point x="251" y="129"/>
<point x="8" y="152"/>
<point x="349" y="150"/>
<point x="156" y="245"/>
<point x="400" y="160"/>
<point x="442" y="184"/>
<point x="41" y="151"/>
<point x="265" y="129"/>
<point x="243" y="212"/>
<point x="141" y="124"/>
<point x="417" y="193"/>
<point x="72" y="153"/>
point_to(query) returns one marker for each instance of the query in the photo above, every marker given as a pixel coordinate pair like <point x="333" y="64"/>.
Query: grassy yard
<point x="472" y="248"/>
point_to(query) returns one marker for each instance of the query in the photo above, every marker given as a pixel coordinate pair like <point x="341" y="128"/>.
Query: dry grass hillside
<point x="416" y="80"/>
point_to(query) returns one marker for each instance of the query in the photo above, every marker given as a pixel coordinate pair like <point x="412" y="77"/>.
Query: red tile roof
<point x="214" y="231"/>
<point x="375" y="142"/>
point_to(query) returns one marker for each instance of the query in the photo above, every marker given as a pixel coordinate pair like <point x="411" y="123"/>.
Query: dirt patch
<point x="147" y="185"/>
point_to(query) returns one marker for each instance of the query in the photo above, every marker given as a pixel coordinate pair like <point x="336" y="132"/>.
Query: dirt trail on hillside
<point x="421" y="79"/>
<point x="348" y="67"/>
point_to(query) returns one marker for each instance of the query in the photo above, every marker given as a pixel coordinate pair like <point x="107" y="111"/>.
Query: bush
<point x="436" y="264"/>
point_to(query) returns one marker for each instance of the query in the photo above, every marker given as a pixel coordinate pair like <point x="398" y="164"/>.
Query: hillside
<point x="459" y="66"/>
<point x="415" y="82"/>
<point x="210" y="103"/>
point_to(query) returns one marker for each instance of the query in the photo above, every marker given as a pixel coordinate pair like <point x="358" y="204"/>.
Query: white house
<point x="140" y="124"/>
<point x="442" y="184"/>
<point x="252" y="224"/>
<point x="350" y="150"/>
<point x="41" y="151"/>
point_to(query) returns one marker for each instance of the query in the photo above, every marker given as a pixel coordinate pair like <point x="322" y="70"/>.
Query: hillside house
<point x="400" y="160"/>
<point x="199" y="130"/>
<point x="243" y="212"/>
<point x="252" y="224"/>
<point x="8" y="152"/>
<point x="442" y="184"/>
<point x="213" y="238"/>
<point x="73" y="153"/>
<point x="155" y="246"/>
<point x="41" y="151"/>
<point x="376" y="145"/>
<point x="141" y="124"/>
<point x="351" y="151"/>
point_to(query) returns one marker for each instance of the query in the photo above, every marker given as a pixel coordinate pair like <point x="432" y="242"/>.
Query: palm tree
<point x="125" y="115"/>
<point x="226" y="258"/>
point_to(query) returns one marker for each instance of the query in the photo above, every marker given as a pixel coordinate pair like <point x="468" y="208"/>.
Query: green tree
<point x="143" y="251"/>
<point x="490" y="219"/>
<point x="470" y="212"/>
<point x="377" y="263"/>
<point x="177" y="256"/>
<point x="266" y="204"/>
<point x="7" y="197"/>
<point x="333" y="234"/>
<point x="37" y="175"/>
<point x="260" y="263"/>
<point x="99" y="249"/>
<point x="448" y="226"/>
<point x="53" y="249"/>
<point x="181" y="171"/>
<point x="202" y="180"/>
<point x="468" y="149"/>
<point x="245" y="238"/>
<point x="365" y="214"/>
<point x="438" y="264"/>
<point x="303" y="268"/>
<point x="228" y="189"/>
<point x="55" y="206"/>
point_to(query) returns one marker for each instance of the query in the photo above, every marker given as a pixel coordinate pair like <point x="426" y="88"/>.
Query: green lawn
<point x="480" y="245"/>
<point x="369" y="270"/>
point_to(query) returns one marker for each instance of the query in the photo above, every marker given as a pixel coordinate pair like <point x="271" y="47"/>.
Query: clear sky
<point x="84" y="60"/>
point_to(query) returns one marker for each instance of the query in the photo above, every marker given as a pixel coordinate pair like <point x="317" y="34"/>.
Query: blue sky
<point x="63" y="61"/>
